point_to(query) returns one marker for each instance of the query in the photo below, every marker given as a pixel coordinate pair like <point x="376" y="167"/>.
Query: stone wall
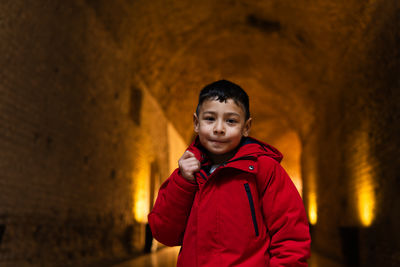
<point x="80" y="136"/>
<point x="354" y="149"/>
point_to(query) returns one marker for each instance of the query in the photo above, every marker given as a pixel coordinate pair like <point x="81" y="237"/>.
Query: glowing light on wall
<point x="363" y="182"/>
<point x="297" y="182"/>
<point x="312" y="196"/>
<point x="290" y="146"/>
<point x="366" y="201"/>
<point x="141" y="192"/>
<point x="152" y="139"/>
<point x="141" y="175"/>
<point x="312" y="208"/>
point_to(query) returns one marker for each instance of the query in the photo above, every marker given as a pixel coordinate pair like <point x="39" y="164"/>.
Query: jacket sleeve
<point x="285" y="218"/>
<point x="172" y="208"/>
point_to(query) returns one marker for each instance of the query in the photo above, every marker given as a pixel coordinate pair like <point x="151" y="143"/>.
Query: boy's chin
<point x="219" y="152"/>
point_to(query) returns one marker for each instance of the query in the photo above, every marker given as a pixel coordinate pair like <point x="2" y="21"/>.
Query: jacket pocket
<point x="252" y="209"/>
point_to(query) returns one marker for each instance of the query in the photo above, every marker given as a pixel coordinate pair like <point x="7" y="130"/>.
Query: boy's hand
<point x="188" y="165"/>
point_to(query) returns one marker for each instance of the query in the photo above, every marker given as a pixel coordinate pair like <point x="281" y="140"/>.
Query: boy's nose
<point x="219" y="128"/>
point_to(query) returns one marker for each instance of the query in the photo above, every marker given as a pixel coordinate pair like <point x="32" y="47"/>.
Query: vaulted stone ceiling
<point x="292" y="57"/>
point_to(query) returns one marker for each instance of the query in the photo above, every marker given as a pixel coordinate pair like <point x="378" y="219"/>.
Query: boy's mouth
<point x="218" y="141"/>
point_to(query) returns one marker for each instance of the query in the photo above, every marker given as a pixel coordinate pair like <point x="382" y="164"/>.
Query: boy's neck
<point x="219" y="159"/>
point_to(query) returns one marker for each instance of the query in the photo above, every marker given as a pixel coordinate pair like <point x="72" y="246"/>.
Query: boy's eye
<point x="231" y="121"/>
<point x="209" y="118"/>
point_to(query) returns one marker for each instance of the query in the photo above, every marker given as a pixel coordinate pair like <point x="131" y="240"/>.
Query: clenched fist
<point x="188" y="165"/>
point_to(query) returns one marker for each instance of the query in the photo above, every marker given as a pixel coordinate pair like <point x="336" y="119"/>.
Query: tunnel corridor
<point x="96" y="104"/>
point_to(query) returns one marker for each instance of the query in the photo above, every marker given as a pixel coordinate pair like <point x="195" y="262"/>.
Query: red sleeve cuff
<point x="184" y="183"/>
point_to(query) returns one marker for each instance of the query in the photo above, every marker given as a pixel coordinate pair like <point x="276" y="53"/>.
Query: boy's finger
<point x="192" y="160"/>
<point x="194" y="164"/>
<point x="187" y="154"/>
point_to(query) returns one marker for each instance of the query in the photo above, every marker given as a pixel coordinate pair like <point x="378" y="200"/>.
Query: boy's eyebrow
<point x="226" y="114"/>
<point x="211" y="112"/>
<point x="232" y="113"/>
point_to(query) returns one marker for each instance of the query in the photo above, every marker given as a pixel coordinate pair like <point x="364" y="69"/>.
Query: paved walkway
<point x="166" y="257"/>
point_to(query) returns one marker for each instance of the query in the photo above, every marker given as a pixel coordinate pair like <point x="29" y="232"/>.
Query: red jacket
<point x="246" y="213"/>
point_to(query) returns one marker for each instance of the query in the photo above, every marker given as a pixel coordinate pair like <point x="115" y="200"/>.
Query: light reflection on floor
<point x="166" y="257"/>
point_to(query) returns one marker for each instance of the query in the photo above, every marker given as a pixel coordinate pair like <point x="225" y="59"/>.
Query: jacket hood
<point x="248" y="146"/>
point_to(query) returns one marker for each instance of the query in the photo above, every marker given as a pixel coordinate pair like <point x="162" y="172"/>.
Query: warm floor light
<point x="312" y="208"/>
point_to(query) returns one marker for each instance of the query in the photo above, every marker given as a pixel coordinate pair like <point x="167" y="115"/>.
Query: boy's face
<point x="220" y="126"/>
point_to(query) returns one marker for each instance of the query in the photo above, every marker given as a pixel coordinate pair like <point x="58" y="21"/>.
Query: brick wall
<point x="72" y="144"/>
<point x="357" y="143"/>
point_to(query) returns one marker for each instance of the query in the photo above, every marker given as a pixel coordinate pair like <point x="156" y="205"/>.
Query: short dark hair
<point x="223" y="90"/>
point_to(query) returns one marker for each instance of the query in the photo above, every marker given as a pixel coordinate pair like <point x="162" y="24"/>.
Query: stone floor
<point x="166" y="257"/>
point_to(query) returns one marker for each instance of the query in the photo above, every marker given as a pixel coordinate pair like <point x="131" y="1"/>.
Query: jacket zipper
<point x="224" y="164"/>
<point x="253" y="211"/>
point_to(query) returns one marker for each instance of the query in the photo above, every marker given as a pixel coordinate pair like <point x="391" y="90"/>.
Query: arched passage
<point x="94" y="92"/>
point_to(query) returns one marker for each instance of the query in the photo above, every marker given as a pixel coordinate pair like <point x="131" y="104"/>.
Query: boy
<point x="230" y="203"/>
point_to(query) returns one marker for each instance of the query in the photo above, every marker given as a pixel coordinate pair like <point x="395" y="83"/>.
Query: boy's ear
<point x="246" y="128"/>
<point x="196" y="123"/>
